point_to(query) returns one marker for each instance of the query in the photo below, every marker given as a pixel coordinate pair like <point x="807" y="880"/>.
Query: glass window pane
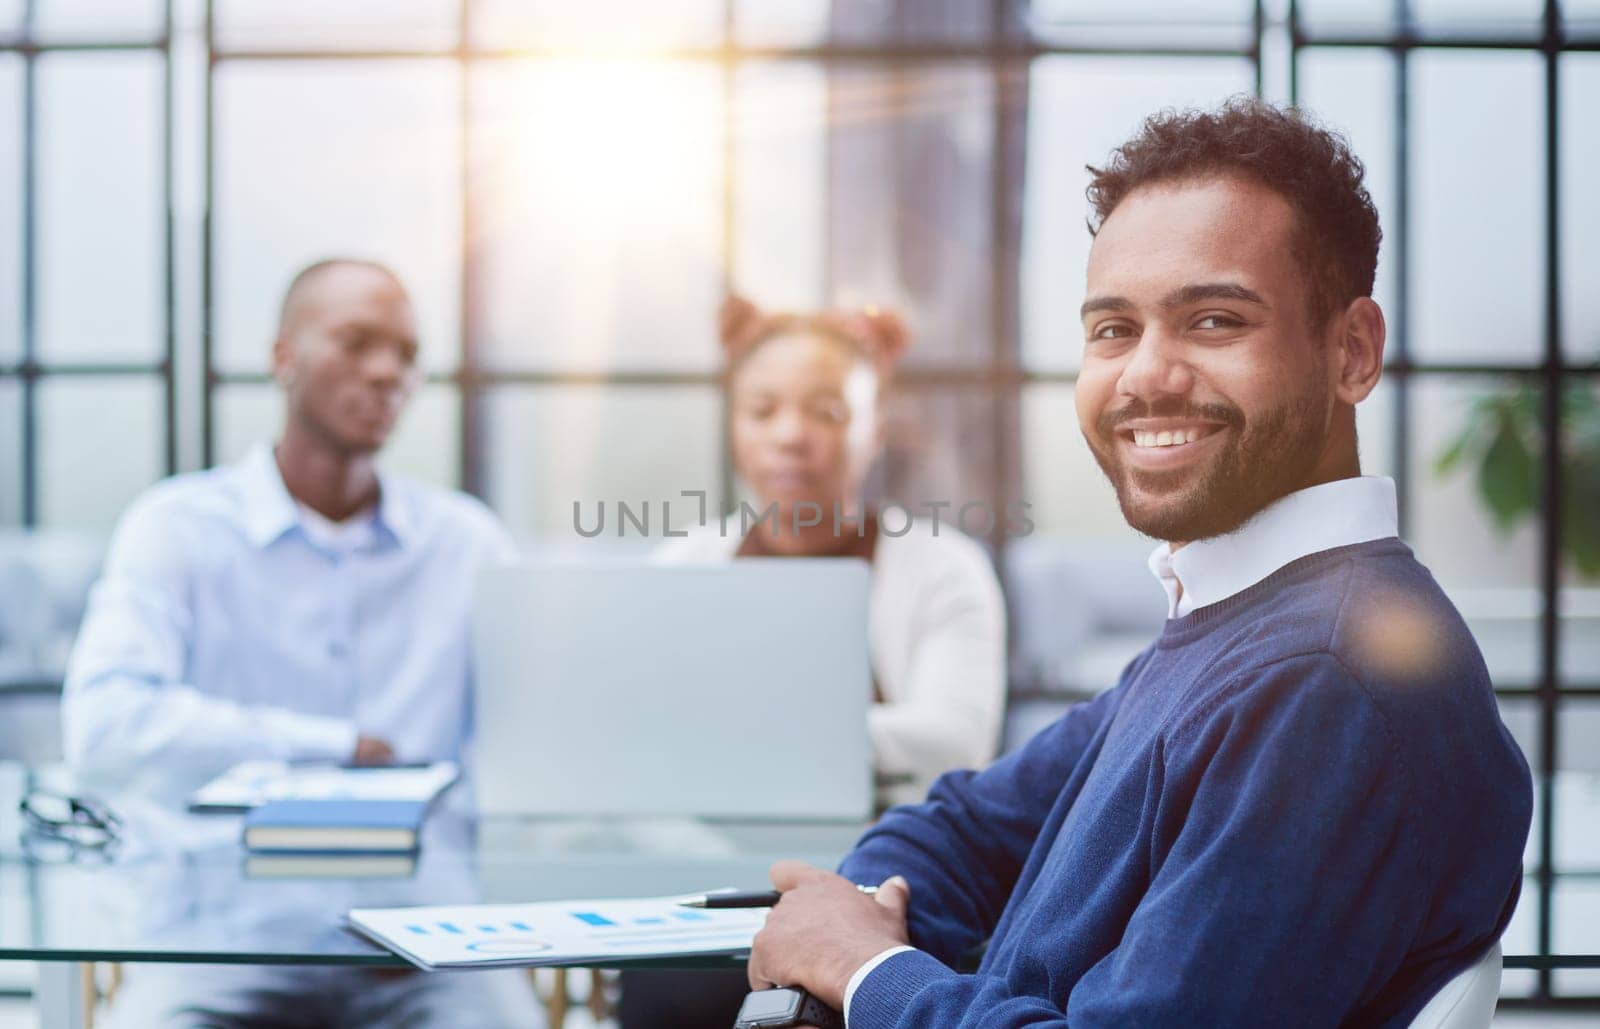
<point x="1579" y="654"/>
<point x="604" y="24"/>
<point x="1082" y="599"/>
<point x="623" y="443"/>
<point x="1375" y="428"/>
<point x="1175" y="23"/>
<point x="1581" y="18"/>
<point x="1575" y="922"/>
<point x="1522" y="934"/>
<point x="349" y="24"/>
<point x="1477" y="206"/>
<point x="1069" y="493"/>
<point x="780" y="22"/>
<point x="1580" y="206"/>
<point x="780" y="183"/>
<point x="1578" y="789"/>
<point x="1353" y="92"/>
<point x="1079" y="108"/>
<point x="910" y="179"/>
<point x="101" y="246"/>
<point x="94" y="20"/>
<point x="332" y="159"/>
<point x="863" y="22"/>
<point x="1346" y="16"/>
<point x="1575" y="929"/>
<point x="101" y="442"/>
<point x="11" y="16"/>
<point x="600" y="184"/>
<point x="10" y="452"/>
<point x="1511" y="19"/>
<point x="1136" y="12"/>
<point x="1489" y="571"/>
<point x="11" y="158"/>
<point x="426" y="444"/>
<point x="1516" y="19"/>
<point x="1522" y="937"/>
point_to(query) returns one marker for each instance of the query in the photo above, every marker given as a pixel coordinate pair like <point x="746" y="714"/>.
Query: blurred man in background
<point x="295" y="605"/>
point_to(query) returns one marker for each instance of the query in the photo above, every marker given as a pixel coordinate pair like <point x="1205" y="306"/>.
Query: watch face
<point x="769" y="1005"/>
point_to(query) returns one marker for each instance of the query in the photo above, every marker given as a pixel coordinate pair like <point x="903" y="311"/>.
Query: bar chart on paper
<point x="557" y="933"/>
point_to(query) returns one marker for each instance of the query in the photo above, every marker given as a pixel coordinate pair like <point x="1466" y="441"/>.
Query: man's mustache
<point x="1110" y="421"/>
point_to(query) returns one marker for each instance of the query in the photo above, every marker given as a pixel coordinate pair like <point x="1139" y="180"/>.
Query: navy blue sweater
<point x="1298" y="807"/>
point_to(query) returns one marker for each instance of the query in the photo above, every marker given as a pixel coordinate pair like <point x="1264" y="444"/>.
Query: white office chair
<point x="1468" y="1000"/>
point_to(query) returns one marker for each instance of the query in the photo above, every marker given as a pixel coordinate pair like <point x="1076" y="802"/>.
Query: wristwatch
<point x="786" y="1006"/>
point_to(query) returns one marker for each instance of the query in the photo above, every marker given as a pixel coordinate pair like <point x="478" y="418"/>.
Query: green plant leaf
<point x="1580" y="515"/>
<point x="1451" y="456"/>
<point x="1508" y="476"/>
<point x="1502" y="436"/>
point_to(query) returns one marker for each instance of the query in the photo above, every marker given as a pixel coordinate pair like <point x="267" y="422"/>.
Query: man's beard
<point x="1272" y="455"/>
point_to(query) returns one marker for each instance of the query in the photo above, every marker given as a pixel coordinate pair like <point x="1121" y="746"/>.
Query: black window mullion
<point x="470" y="382"/>
<point x="1003" y="284"/>
<point x="169" y="365"/>
<point x="1296" y="41"/>
<point x="1550" y="539"/>
<point x="30" y="223"/>
<point x="208" y="372"/>
<point x="1400" y="256"/>
<point x="730" y="229"/>
<point x="1258" y="30"/>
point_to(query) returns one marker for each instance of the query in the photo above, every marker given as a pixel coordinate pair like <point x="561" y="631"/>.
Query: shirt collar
<point x="1309" y="521"/>
<point x="270" y="511"/>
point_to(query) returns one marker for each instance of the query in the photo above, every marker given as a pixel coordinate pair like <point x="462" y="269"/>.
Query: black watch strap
<point x="814" y="1012"/>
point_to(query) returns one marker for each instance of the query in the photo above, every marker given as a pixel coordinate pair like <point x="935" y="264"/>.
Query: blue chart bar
<point x="419" y="930"/>
<point x="449" y="927"/>
<point x="590" y="918"/>
<point x="649" y="921"/>
<point x="521" y="927"/>
<point x="691" y="916"/>
<point x="487" y="929"/>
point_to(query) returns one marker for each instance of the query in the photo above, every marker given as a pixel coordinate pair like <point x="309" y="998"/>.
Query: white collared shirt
<point x="230" y="624"/>
<point x="1309" y="521"/>
<point x="1334" y="514"/>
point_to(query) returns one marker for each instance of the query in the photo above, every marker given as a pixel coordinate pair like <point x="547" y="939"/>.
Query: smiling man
<point x="1299" y="806"/>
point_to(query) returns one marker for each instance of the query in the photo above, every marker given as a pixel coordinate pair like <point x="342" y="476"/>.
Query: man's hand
<point x="372" y="751"/>
<point x="823" y="929"/>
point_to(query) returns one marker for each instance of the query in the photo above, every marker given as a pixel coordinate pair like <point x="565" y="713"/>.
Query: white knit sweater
<point x="937" y="638"/>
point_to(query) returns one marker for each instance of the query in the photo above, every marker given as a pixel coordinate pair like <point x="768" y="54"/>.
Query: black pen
<point x="745" y="898"/>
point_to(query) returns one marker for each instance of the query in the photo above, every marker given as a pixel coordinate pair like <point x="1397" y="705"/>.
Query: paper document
<point x="253" y="783"/>
<point x="557" y="933"/>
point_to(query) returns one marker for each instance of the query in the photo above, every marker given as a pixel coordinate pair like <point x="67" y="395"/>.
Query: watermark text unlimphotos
<point x="974" y="518"/>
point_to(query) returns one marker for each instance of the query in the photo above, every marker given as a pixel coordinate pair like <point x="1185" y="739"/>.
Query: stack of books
<point x="326" y="821"/>
<point x="335" y="826"/>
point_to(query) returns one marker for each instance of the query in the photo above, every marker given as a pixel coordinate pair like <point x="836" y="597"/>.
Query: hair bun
<point x="739" y="323"/>
<point x="890" y="336"/>
<point x="881" y="334"/>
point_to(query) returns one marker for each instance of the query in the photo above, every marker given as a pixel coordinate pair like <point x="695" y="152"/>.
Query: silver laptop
<point x="727" y="691"/>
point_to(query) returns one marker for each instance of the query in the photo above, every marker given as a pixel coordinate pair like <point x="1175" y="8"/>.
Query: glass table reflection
<point x="178" y="887"/>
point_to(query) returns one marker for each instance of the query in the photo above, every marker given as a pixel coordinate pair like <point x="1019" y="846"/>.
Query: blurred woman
<point x="805" y="400"/>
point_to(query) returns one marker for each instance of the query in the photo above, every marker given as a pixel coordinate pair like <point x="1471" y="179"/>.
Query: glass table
<point x="179" y="887"/>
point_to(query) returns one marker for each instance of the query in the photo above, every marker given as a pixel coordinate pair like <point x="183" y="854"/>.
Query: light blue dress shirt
<point x="226" y="627"/>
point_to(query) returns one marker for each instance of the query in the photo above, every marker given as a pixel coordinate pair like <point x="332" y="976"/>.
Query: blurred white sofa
<point x="45" y="576"/>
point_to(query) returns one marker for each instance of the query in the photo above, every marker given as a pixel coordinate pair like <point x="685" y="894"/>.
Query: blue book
<point x="335" y="826"/>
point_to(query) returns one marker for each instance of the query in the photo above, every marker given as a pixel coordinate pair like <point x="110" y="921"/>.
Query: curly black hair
<point x="1283" y="149"/>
